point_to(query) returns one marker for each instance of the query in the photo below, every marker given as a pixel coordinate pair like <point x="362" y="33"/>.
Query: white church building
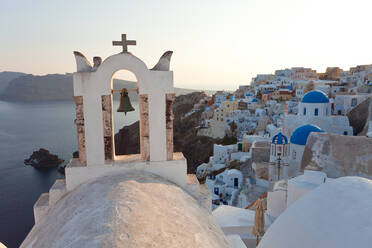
<point x="315" y="109"/>
<point x="298" y="142"/>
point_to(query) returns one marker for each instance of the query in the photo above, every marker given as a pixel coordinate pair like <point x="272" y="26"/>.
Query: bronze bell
<point x="125" y="105"/>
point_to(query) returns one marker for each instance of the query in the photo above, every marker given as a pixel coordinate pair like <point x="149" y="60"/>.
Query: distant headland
<point x="21" y="87"/>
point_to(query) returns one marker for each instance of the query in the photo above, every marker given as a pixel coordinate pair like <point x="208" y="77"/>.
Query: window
<point x="353" y="102"/>
<point x="316" y="112"/>
<point x="345" y="133"/>
<point x="304" y="111"/>
<point x="216" y="191"/>
<point x="236" y="182"/>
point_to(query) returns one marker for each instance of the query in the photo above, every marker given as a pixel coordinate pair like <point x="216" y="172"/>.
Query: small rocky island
<point x="43" y="159"/>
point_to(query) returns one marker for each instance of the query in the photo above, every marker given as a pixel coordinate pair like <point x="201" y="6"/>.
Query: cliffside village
<point x="291" y="141"/>
<point x="274" y="157"/>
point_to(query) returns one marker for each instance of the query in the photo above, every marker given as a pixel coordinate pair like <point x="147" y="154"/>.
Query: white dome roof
<point x="131" y="209"/>
<point x="336" y="214"/>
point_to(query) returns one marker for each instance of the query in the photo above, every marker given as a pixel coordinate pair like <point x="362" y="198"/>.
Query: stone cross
<point x="124" y="43"/>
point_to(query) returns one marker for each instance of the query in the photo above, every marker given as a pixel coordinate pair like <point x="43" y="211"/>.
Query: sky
<point x="217" y="44"/>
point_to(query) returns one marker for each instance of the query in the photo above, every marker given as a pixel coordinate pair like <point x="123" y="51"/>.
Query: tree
<point x="233" y="127"/>
<point x="228" y="140"/>
<point x="309" y="87"/>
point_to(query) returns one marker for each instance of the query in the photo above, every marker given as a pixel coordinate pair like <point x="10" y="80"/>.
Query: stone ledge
<point x="41" y="207"/>
<point x="178" y="156"/>
<point x="74" y="163"/>
<point x="192" y="179"/>
<point x="192" y="186"/>
<point x="205" y="198"/>
<point x="172" y="170"/>
<point x="57" y="191"/>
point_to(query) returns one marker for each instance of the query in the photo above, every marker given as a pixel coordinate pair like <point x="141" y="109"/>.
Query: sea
<point x="24" y="128"/>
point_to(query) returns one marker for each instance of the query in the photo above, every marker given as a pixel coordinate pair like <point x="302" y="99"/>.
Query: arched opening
<point x="126" y="128"/>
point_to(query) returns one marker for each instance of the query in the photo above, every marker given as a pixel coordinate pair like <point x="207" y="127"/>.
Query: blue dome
<point x="315" y="96"/>
<point x="254" y="100"/>
<point x="299" y="136"/>
<point x="280" y="139"/>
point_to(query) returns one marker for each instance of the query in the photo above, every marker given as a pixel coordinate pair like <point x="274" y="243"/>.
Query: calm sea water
<point x="24" y="128"/>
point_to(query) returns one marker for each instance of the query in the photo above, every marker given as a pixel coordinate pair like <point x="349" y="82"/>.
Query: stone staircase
<point x="47" y="200"/>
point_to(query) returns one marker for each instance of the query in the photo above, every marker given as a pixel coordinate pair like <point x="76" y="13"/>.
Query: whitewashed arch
<point x="93" y="85"/>
<point x="123" y="61"/>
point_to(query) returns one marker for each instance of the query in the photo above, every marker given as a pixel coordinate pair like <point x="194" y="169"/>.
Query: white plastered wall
<point x="276" y="202"/>
<point x="295" y="164"/>
<point x="310" y="109"/>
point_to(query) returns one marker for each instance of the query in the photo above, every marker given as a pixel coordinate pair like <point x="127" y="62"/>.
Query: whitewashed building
<point x="287" y="192"/>
<point x="220" y="97"/>
<point x="225" y="186"/>
<point x="332" y="214"/>
<point x="344" y="103"/>
<point x="222" y="154"/>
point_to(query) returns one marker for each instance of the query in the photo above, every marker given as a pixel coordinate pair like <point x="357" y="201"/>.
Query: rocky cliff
<point x="39" y="88"/>
<point x="339" y="155"/>
<point x="43" y="159"/>
<point x="127" y="140"/>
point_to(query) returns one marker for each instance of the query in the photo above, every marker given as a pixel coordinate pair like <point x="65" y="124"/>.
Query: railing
<point x="263" y="196"/>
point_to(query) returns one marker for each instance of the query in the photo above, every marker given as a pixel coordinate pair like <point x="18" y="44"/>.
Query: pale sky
<point x="217" y="44"/>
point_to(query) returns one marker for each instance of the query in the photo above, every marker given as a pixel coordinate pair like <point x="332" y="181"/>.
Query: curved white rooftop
<point x="233" y="171"/>
<point x="229" y="216"/>
<point x="132" y="209"/>
<point x="336" y="214"/>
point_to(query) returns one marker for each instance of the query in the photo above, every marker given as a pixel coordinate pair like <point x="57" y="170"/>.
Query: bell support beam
<point x="128" y="90"/>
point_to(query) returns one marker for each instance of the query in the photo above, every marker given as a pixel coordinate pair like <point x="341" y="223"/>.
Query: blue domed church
<point x="314" y="115"/>
<point x="315" y="109"/>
